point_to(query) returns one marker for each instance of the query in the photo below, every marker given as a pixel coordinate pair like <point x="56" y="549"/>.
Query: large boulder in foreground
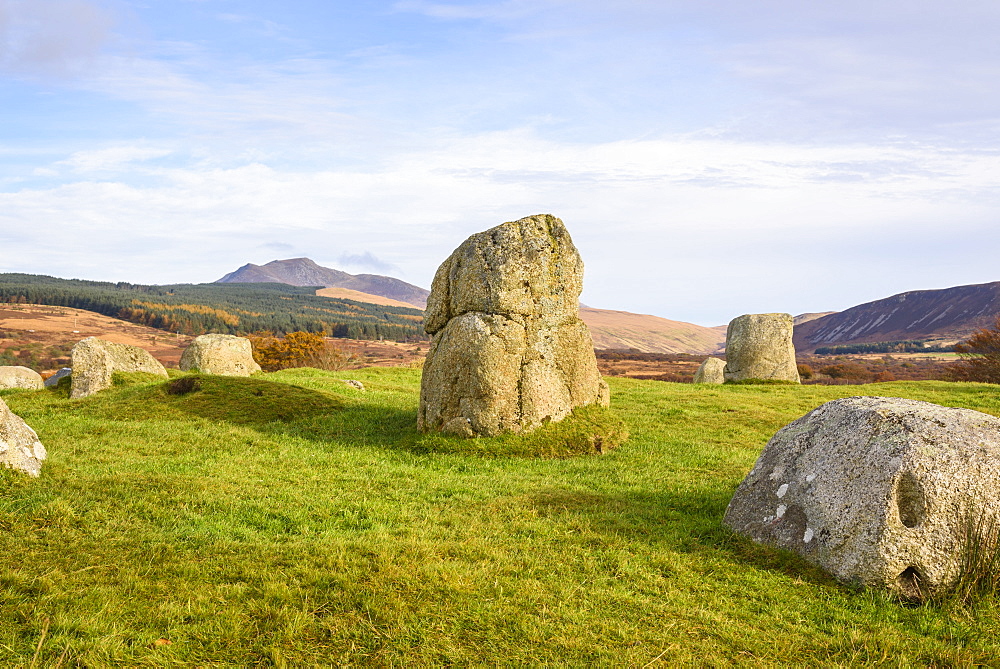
<point x="94" y="362"/>
<point x="509" y="351"/>
<point x="225" y="355"/>
<point x="875" y="490"/>
<point x="711" y="370"/>
<point x="20" y="448"/>
<point x="759" y="346"/>
<point x="15" y="376"/>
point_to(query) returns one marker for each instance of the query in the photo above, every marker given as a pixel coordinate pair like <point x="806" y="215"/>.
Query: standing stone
<point x="15" y="376"/>
<point x="225" y="355"/>
<point x="875" y="490"/>
<point x="759" y="346"/>
<point x="94" y="361"/>
<point x="509" y="351"/>
<point x="20" y="448"/>
<point x="711" y="371"/>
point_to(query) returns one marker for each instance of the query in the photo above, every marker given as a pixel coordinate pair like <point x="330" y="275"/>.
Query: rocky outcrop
<point x="15" y="376"/>
<point x="875" y="490"/>
<point x="759" y="346"/>
<point x="20" y="448"/>
<point x="225" y="355"/>
<point x="711" y="371"/>
<point x="58" y="376"/>
<point x="509" y="350"/>
<point x="94" y="362"/>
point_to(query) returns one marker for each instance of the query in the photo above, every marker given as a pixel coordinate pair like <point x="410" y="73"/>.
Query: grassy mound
<point x="589" y="430"/>
<point x="291" y="519"/>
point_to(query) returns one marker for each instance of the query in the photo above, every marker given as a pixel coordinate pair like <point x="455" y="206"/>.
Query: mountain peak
<point x="305" y="272"/>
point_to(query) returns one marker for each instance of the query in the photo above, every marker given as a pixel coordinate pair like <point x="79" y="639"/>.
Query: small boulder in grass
<point x="225" y="355"/>
<point x="875" y="490"/>
<point x="94" y="362"/>
<point x="711" y="371"/>
<point x="15" y="376"/>
<point x="20" y="448"/>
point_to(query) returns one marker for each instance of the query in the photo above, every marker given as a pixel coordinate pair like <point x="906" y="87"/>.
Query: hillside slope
<point x="367" y="298"/>
<point x="650" y="334"/>
<point x="305" y="272"/>
<point x="945" y="315"/>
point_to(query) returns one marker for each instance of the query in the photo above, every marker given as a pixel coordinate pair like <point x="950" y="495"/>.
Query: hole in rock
<point x="910" y="500"/>
<point x="910" y="582"/>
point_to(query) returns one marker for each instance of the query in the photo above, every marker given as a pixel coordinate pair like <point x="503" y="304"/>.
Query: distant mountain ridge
<point x="305" y="272"/>
<point x="946" y="315"/>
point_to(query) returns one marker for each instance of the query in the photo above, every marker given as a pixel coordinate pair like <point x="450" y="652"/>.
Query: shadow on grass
<point x="688" y="521"/>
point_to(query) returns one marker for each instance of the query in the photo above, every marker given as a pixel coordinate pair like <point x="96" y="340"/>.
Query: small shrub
<point x="980" y="355"/>
<point x="184" y="385"/>
<point x="805" y="371"/>
<point x="847" y="370"/>
<point x="298" y="349"/>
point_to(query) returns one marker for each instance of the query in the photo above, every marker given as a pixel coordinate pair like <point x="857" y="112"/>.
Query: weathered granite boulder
<point x="94" y="361"/>
<point x="20" y="377"/>
<point x="61" y="374"/>
<point x="875" y="490"/>
<point x="509" y="350"/>
<point x="711" y="371"/>
<point x="19" y="445"/>
<point x="759" y="346"/>
<point x="225" y="355"/>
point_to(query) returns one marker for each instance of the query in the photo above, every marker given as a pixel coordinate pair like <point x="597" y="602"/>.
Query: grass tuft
<point x="588" y="430"/>
<point x="761" y="382"/>
<point x="979" y="570"/>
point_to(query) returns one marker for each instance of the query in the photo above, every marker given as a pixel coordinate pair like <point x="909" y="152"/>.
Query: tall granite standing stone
<point x="20" y="448"/>
<point x="225" y="355"/>
<point x="509" y="351"/>
<point x="759" y="346"/>
<point x="875" y="490"/>
<point x="94" y="361"/>
<point x="712" y="370"/>
<point x="15" y="376"/>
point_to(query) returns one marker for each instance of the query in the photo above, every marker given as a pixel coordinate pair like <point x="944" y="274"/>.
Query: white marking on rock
<point x="782" y="490"/>
<point x="808" y="536"/>
<point x="781" y="510"/>
<point x="810" y="478"/>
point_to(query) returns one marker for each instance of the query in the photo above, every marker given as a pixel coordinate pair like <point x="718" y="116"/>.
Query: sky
<point x="709" y="159"/>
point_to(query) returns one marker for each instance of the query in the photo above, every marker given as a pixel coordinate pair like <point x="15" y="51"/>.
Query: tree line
<point x="225" y="308"/>
<point x="910" y="346"/>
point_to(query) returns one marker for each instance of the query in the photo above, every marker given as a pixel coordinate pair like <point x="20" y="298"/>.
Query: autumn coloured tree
<point x="297" y="349"/>
<point x="980" y="355"/>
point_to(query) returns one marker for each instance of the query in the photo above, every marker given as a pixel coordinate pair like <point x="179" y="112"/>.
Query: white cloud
<point x="684" y="228"/>
<point x="110" y="158"/>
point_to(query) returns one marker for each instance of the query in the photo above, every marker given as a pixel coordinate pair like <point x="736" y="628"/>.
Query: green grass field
<point x="291" y="520"/>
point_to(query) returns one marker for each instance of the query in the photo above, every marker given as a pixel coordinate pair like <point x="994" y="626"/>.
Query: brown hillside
<point x="650" y="334"/>
<point x="31" y="327"/>
<point x="368" y="298"/>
